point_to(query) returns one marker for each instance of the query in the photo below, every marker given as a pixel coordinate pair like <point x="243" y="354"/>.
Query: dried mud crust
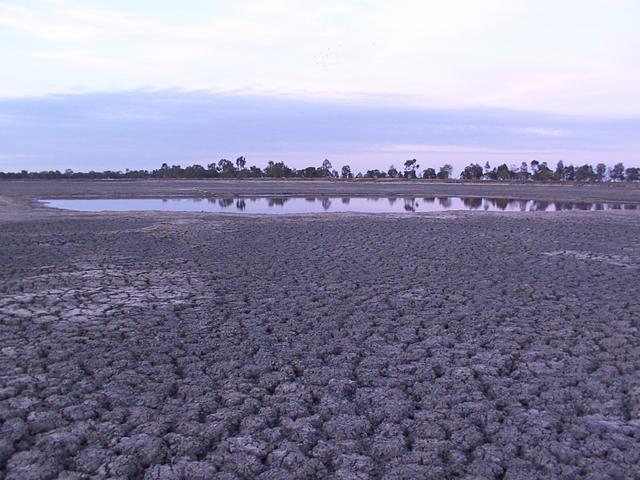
<point x="471" y="346"/>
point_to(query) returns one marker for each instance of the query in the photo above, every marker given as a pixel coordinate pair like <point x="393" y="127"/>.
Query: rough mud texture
<point x="477" y="346"/>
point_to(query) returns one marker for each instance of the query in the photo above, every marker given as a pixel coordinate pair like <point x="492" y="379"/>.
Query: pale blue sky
<point x="577" y="59"/>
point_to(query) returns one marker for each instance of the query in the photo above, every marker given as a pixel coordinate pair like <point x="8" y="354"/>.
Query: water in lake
<point x="291" y="205"/>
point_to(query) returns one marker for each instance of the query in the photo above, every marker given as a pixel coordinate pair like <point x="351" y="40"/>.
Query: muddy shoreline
<point x="199" y="346"/>
<point x="611" y="192"/>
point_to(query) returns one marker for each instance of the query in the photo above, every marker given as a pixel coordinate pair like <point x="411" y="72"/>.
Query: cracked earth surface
<point x="476" y="346"/>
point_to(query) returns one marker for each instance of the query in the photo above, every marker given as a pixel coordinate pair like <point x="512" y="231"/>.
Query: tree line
<point x="534" y="171"/>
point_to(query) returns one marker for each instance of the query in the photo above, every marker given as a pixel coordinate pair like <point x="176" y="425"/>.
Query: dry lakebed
<point x="471" y="344"/>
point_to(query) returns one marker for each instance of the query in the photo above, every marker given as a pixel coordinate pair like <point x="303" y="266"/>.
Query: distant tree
<point x="445" y="172"/>
<point x="277" y="170"/>
<point x="335" y="174"/>
<point x="240" y="163"/>
<point x="632" y="174"/>
<point x="569" y="173"/>
<point x="195" y="171"/>
<point x="487" y="169"/>
<point x="255" y="172"/>
<point x="601" y="171"/>
<point x="560" y="171"/>
<point x="524" y="171"/>
<point x="312" y="172"/>
<point x="534" y="166"/>
<point x="503" y="172"/>
<point x="410" y="167"/>
<point x="543" y="172"/>
<point x="226" y="168"/>
<point x="392" y="172"/>
<point x="472" y="172"/>
<point x="617" y="172"/>
<point x="346" y="172"/>
<point x="585" y="173"/>
<point x="175" y="171"/>
<point x="212" y="170"/>
<point x="429" y="174"/>
<point x="375" y="173"/>
<point x="326" y="167"/>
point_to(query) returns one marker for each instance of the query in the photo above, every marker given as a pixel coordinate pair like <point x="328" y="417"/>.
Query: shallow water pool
<point x="291" y="205"/>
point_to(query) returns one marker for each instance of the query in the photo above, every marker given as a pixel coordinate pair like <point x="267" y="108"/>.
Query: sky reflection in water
<point x="312" y="204"/>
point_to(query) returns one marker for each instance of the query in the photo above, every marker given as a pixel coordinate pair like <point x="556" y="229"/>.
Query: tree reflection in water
<point x="277" y="201"/>
<point x="444" y="202"/>
<point x="472" y="203"/>
<point x="410" y="204"/>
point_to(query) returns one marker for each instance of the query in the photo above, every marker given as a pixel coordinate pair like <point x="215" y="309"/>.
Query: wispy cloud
<point x="464" y="53"/>
<point x="141" y="129"/>
<point x="544" y="132"/>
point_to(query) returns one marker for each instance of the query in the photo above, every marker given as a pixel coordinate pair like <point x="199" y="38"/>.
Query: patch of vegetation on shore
<point x="535" y="171"/>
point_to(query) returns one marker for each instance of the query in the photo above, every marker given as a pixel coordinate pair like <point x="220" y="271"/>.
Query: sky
<point x="116" y="84"/>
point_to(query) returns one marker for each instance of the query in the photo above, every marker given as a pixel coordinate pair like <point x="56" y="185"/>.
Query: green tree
<point x="543" y="172"/>
<point x="524" y="171"/>
<point x="472" y="172"/>
<point x="560" y="171"/>
<point x="585" y="173"/>
<point x="487" y="170"/>
<point x="226" y="168"/>
<point x="569" y="173"/>
<point x="617" y="172"/>
<point x="632" y="174"/>
<point x="255" y="172"/>
<point x="534" y="166"/>
<point x="346" y="172"/>
<point x="429" y="174"/>
<point x="326" y="168"/>
<point x="277" y="170"/>
<point x="375" y="173"/>
<point x="410" y="167"/>
<point x="445" y="172"/>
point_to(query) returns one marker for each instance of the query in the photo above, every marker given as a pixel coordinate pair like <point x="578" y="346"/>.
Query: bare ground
<point x="465" y="345"/>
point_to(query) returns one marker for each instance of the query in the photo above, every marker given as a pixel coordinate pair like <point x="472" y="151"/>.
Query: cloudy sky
<point x="116" y="84"/>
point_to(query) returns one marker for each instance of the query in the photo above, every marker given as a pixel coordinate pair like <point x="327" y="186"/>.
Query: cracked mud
<point x="462" y="346"/>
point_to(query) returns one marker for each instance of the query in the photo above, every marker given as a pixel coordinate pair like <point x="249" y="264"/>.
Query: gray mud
<point x="477" y="346"/>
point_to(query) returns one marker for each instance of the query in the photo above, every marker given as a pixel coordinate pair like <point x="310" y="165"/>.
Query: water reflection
<point x="410" y="205"/>
<point x="540" y="205"/>
<point x="445" y="202"/>
<point x="320" y="204"/>
<point x="472" y="203"/>
<point x="225" y="202"/>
